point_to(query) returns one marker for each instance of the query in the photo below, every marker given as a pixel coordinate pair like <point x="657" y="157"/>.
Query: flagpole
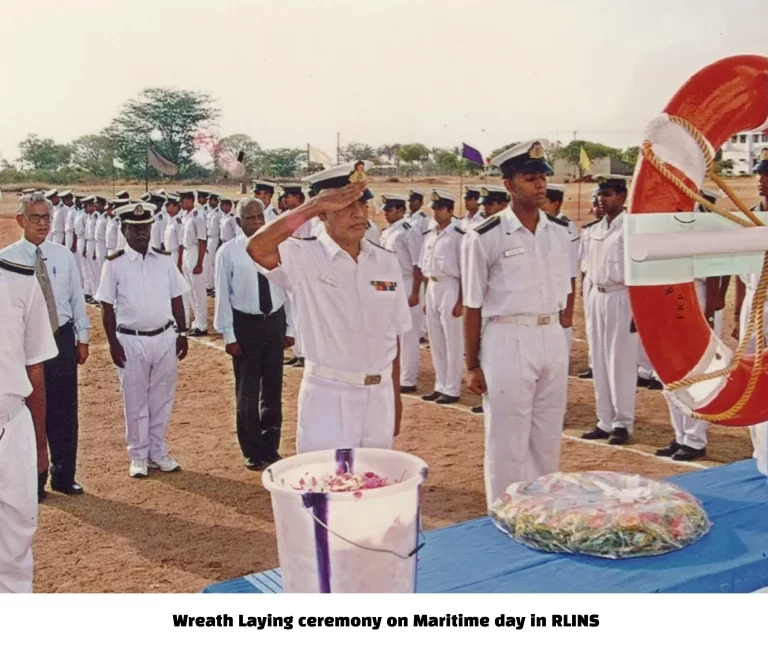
<point x="461" y="191"/>
<point x="308" y="158"/>
<point x="578" y="201"/>
<point x="146" y="170"/>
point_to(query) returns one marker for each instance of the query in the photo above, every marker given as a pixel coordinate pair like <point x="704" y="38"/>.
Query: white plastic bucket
<point x="348" y="542"/>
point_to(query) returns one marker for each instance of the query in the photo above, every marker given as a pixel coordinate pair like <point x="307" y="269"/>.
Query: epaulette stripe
<point x="557" y="221"/>
<point x="116" y="255"/>
<point x="381" y="246"/>
<point x="159" y="251"/>
<point x="594" y="222"/>
<point x="488" y="225"/>
<point x="459" y="230"/>
<point x="17" y="268"/>
<point x="406" y="226"/>
<point x="305" y="238"/>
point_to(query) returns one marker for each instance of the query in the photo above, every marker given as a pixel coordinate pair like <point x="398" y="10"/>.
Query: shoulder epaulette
<point x="116" y="255"/>
<point x="159" y="251"/>
<point x="565" y="218"/>
<point x="426" y="231"/>
<point x="17" y="268"/>
<point x="406" y="226"/>
<point x="459" y="230"/>
<point x="488" y="225"/>
<point x="305" y="238"/>
<point x="557" y="221"/>
<point x="381" y="246"/>
<point x="594" y="222"/>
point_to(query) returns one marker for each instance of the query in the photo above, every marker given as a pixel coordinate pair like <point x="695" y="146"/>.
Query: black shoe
<point x="643" y="382"/>
<point x="586" y="375"/>
<point x="431" y="397"/>
<point x="210" y="292"/>
<point x="619" y="436"/>
<point x="195" y="332"/>
<point x="273" y="458"/>
<point x="299" y="364"/>
<point x="291" y="362"/>
<point x="655" y="384"/>
<point x="596" y="434"/>
<point x="687" y="453"/>
<point x="447" y="400"/>
<point x="422" y="340"/>
<point x="477" y="409"/>
<point x="74" y="489"/>
<point x="668" y="450"/>
<point x="407" y="389"/>
<point x="255" y="466"/>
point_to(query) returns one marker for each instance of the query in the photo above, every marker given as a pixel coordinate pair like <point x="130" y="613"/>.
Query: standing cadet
<point x="89" y="248"/>
<point x="103" y="207"/>
<point x="586" y="284"/>
<point x="421" y="223"/>
<point x="195" y="241"/>
<point x="264" y="190"/>
<point x="202" y="203"/>
<point x="611" y="330"/>
<point x="517" y="278"/>
<point x="440" y="264"/>
<point x="25" y="343"/>
<point x="113" y="228"/>
<point x="402" y="239"/>
<point x="67" y="200"/>
<point x="59" y="223"/>
<point x="350" y="291"/>
<point x="157" y="235"/>
<point x="228" y="222"/>
<point x="214" y="240"/>
<point x="140" y="292"/>
<point x="251" y="315"/>
<point x="474" y="214"/>
<point x="552" y="207"/>
<point x="57" y="275"/>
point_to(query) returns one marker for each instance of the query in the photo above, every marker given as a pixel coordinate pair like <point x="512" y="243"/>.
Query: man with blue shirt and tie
<point x="59" y="280"/>
<point x="251" y="315"/>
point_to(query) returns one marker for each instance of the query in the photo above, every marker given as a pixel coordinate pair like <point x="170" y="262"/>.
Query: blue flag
<point x="471" y="154"/>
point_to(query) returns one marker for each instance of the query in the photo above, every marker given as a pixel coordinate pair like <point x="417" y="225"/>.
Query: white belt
<point x="311" y="369"/>
<point x="526" y="320"/>
<point x="13" y="412"/>
<point x="610" y="289"/>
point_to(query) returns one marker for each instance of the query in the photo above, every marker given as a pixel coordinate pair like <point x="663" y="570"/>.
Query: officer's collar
<point x="616" y="222"/>
<point x="133" y="254"/>
<point x="514" y="221"/>
<point x="334" y="248"/>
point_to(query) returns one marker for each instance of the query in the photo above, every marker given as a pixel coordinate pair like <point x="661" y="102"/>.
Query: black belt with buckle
<point x="258" y="317"/>
<point x="152" y="333"/>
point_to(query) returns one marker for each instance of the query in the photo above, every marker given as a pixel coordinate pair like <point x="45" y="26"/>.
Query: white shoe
<point x="166" y="464"/>
<point x="138" y="468"/>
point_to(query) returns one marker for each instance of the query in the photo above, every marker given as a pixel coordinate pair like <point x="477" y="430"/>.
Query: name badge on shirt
<point x="329" y="280"/>
<point x="384" y="286"/>
<point x="513" y="252"/>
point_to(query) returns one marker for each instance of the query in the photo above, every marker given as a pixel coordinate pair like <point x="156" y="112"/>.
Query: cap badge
<point x="139" y="211"/>
<point x="359" y="174"/>
<point x="536" y="152"/>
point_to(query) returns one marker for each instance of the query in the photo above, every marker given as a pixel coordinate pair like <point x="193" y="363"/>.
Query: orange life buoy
<point x="724" y="98"/>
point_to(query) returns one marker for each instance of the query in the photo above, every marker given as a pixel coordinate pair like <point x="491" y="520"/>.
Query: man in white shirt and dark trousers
<point x="60" y="283"/>
<point x="251" y="315"/>
<point x="26" y="342"/>
<point x="517" y="278"/>
<point x="140" y="292"/>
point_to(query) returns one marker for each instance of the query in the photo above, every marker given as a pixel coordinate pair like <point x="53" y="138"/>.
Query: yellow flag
<point x="584" y="160"/>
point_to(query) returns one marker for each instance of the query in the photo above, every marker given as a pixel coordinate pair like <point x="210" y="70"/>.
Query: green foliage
<point x="282" y="162"/>
<point x="233" y="144"/>
<point x="501" y="149"/>
<point x="572" y="152"/>
<point x="43" y="153"/>
<point x="630" y="155"/>
<point x="93" y="154"/>
<point x="413" y="153"/>
<point x="356" y="151"/>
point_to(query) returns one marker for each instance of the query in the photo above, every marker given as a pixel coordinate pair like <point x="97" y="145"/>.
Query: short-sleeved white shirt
<point x="441" y="252"/>
<point x="194" y="230"/>
<point x="605" y="252"/>
<point x="402" y="239"/>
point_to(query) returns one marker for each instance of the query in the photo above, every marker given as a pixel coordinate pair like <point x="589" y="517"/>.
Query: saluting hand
<point x="476" y="381"/>
<point x="118" y="354"/>
<point x="333" y="200"/>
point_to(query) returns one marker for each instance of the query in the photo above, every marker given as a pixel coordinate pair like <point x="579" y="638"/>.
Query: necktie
<point x="265" y="296"/>
<point x="45" y="284"/>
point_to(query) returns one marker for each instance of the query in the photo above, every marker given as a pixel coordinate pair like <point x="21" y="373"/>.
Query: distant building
<point x="564" y="169"/>
<point x="743" y="150"/>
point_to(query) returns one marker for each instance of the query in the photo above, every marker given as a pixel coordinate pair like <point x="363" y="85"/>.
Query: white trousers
<point x="759" y="433"/>
<point x="79" y="262"/>
<point x="614" y="358"/>
<point x="526" y="371"/>
<point x="446" y="339"/>
<point x="644" y="366"/>
<point x="410" y="351"/>
<point x="422" y="300"/>
<point x="90" y="280"/>
<point x="336" y="415"/>
<point x="18" y="502"/>
<point x="148" y="386"/>
<point x="69" y="236"/>
<point x="690" y="431"/>
<point x="209" y="263"/>
<point x="198" y="296"/>
<point x="57" y="237"/>
<point x="101" y="256"/>
<point x="568" y="342"/>
<point x="586" y="289"/>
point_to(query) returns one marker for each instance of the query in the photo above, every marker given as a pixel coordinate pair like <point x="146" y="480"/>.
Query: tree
<point x="233" y="144"/>
<point x="283" y="162"/>
<point x="177" y="115"/>
<point x="446" y="160"/>
<point x="389" y="152"/>
<point x="572" y="152"/>
<point x="630" y="155"/>
<point x="43" y="153"/>
<point x="501" y="149"/>
<point x="94" y="154"/>
<point x="356" y="151"/>
<point x="413" y="153"/>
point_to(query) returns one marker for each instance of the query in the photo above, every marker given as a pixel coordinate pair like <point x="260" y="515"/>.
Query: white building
<point x="743" y="150"/>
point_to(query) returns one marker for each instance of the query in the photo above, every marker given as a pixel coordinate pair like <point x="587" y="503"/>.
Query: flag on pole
<point x="472" y="154"/>
<point x="316" y="155"/>
<point x="157" y="161"/>
<point x="584" y="162"/>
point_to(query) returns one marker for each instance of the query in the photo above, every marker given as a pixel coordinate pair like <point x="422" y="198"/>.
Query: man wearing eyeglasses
<point x="58" y="278"/>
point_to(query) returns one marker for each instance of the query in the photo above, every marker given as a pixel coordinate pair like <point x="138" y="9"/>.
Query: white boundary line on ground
<point x="465" y="410"/>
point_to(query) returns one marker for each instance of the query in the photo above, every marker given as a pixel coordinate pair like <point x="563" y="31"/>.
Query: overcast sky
<point x="442" y="72"/>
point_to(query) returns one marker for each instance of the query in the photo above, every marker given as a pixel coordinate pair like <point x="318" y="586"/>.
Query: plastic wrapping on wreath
<point x="606" y="514"/>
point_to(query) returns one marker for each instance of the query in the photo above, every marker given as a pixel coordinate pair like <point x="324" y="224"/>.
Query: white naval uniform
<point x="586" y="284"/>
<point x="690" y="431"/>
<point x="228" y="227"/>
<point x="609" y="327"/>
<point x="140" y="289"/>
<point x="470" y="222"/>
<point x="574" y="251"/>
<point x="59" y="223"/>
<point x="521" y="280"/>
<point x="194" y="232"/>
<point x="421" y="223"/>
<point x="89" y="265"/>
<point x="173" y="232"/>
<point x="81" y="218"/>
<point x="270" y="213"/>
<point x="372" y="232"/>
<point x="69" y="227"/>
<point x="214" y="240"/>
<point x="759" y="432"/>
<point x="357" y="311"/>
<point x="113" y="235"/>
<point x="441" y="263"/>
<point x="402" y="239"/>
<point x="25" y="339"/>
<point x="157" y="233"/>
<point x="101" y="243"/>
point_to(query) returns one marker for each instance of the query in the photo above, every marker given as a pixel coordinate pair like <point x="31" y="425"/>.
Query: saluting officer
<point x="140" y="292"/>
<point x="402" y="239"/>
<point x="440" y="264"/>
<point x="517" y="278"/>
<point x="611" y="331"/>
<point x="349" y="292"/>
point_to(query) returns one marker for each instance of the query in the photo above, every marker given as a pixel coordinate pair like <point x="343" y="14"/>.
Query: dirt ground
<point x="213" y="521"/>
